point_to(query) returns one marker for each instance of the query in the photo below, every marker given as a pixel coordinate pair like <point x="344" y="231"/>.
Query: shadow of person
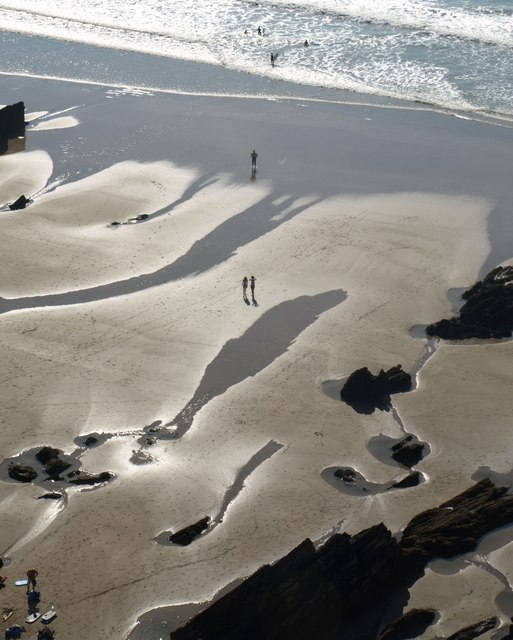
<point x="253" y="174"/>
<point x="254" y="301"/>
<point x="246" y="299"/>
<point x="32" y="601"/>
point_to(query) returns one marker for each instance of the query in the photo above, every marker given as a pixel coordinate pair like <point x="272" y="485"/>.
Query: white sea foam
<point x="452" y="53"/>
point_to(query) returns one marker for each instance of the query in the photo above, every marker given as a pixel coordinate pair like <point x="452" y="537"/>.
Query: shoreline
<point x="192" y="76"/>
<point x="393" y="208"/>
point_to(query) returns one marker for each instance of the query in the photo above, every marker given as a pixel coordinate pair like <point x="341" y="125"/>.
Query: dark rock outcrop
<point x="411" y="480"/>
<point x="316" y="593"/>
<point x="363" y="386"/>
<point x="487" y="312"/>
<point x="20" y="203"/>
<point x="186" y="535"/>
<point x="50" y="459"/>
<point x="410" y="625"/>
<point x="90" y="440"/>
<point x="456" y="526"/>
<point x="92" y="478"/>
<point x="346" y="475"/>
<point x="56" y="466"/>
<point x="475" y="630"/>
<point x="22" y="472"/>
<point x="47" y="453"/>
<point x="12" y="123"/>
<point x="408" y="452"/>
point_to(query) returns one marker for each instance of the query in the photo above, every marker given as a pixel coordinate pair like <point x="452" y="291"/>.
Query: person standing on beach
<point x="254" y="156"/>
<point x="244" y="286"/>
<point x="252" y="281"/>
<point x="272" y="59"/>
<point x="31" y="575"/>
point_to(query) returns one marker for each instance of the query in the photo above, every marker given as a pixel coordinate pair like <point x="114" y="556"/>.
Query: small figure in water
<point x="259" y="31"/>
<point x="245" y="32"/>
<point x="272" y="59"/>
<point x="254" y="156"/>
<point x="307" y="44"/>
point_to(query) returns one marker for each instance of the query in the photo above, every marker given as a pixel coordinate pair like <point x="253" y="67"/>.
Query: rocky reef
<point x="487" y="312"/>
<point x="343" y="588"/>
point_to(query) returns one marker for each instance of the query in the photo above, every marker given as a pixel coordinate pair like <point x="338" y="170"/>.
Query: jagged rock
<point x="474" y="630"/>
<point x="12" y="123"/>
<point x="407" y="452"/>
<point x="305" y="594"/>
<point x="90" y="478"/>
<point x="487" y="312"/>
<point x="363" y="385"/>
<point x="50" y="496"/>
<point x="20" y="203"/>
<point x="455" y="526"/>
<point x="22" y="473"/>
<point x="411" y="480"/>
<point x="186" y="535"/>
<point x="90" y="440"/>
<point x="410" y="625"/>
<point x="317" y="593"/>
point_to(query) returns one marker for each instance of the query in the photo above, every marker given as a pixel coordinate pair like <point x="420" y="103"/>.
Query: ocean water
<point x="453" y="54"/>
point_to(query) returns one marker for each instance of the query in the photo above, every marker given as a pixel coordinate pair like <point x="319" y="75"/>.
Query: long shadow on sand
<point x="213" y="249"/>
<point x="267" y="339"/>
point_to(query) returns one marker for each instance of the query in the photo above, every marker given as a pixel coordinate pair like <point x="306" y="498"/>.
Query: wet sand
<point x="358" y="222"/>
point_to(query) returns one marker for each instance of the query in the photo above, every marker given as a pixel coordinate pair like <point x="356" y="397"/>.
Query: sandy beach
<point x="359" y="223"/>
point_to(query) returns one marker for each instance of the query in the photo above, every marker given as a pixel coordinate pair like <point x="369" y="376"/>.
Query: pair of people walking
<point x="251" y="283"/>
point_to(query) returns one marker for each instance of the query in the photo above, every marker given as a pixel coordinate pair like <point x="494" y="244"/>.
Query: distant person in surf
<point x="272" y="59"/>
<point x="254" y="156"/>
<point x="259" y="31"/>
<point x="306" y="44"/>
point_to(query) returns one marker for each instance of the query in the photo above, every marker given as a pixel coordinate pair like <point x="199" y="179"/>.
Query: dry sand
<point x="108" y="329"/>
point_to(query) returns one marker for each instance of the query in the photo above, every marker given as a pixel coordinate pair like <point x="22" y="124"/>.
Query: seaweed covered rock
<point x="487" y="312"/>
